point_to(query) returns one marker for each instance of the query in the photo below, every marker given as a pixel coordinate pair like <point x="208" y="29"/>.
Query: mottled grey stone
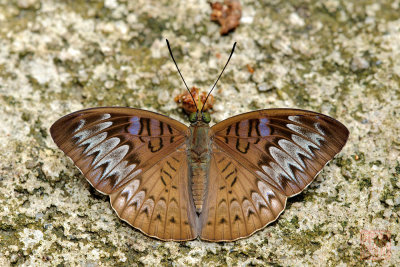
<point x="341" y="58"/>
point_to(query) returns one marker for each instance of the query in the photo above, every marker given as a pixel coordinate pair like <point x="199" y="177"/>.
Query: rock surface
<point x="340" y="58"/>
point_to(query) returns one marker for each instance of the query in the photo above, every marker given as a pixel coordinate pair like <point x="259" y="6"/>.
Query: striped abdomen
<point x="199" y="151"/>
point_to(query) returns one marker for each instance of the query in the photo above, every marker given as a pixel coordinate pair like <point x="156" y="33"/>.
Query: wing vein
<point x="243" y="188"/>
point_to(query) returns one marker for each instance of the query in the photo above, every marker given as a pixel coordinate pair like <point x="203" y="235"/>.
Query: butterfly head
<point x="195" y="117"/>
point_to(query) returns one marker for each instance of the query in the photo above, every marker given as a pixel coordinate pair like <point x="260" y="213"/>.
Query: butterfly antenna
<point x="172" y="56"/>
<point x="233" y="49"/>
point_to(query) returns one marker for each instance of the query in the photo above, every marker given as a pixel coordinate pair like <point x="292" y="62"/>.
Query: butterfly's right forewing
<point x="139" y="159"/>
<point x="258" y="160"/>
<point x="285" y="147"/>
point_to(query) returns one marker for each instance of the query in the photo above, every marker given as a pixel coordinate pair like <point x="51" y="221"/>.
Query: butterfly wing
<point x="139" y="159"/>
<point x="259" y="159"/>
<point x="238" y="203"/>
<point x="158" y="202"/>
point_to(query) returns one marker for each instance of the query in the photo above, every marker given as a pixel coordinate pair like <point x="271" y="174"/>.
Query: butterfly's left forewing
<point x="259" y="159"/>
<point x="139" y="159"/>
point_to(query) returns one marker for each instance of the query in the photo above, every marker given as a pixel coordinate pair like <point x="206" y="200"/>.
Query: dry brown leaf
<point x="185" y="101"/>
<point x="227" y="14"/>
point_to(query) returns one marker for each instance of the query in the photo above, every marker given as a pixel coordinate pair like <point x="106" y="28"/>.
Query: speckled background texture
<point x="341" y="58"/>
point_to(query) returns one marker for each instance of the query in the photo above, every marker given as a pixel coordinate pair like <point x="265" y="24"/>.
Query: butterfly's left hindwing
<point x="123" y="148"/>
<point x="160" y="207"/>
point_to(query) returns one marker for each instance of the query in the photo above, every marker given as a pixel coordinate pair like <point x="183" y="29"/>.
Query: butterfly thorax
<point x="199" y="151"/>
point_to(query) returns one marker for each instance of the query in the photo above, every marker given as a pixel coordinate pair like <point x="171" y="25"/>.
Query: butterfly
<point x="219" y="183"/>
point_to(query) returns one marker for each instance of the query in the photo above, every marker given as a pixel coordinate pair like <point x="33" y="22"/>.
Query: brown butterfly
<point x="219" y="183"/>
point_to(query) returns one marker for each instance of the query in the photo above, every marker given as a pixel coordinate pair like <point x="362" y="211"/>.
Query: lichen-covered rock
<point x="336" y="57"/>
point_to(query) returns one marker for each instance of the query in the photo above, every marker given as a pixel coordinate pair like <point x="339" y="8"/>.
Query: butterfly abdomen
<point x="199" y="151"/>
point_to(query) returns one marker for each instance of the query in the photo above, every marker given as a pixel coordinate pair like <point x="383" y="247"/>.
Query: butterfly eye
<point x="193" y="117"/>
<point x="206" y="117"/>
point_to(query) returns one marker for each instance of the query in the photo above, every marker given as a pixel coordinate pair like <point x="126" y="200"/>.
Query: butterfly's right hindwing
<point x="133" y="155"/>
<point x="259" y="159"/>
<point x="238" y="202"/>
